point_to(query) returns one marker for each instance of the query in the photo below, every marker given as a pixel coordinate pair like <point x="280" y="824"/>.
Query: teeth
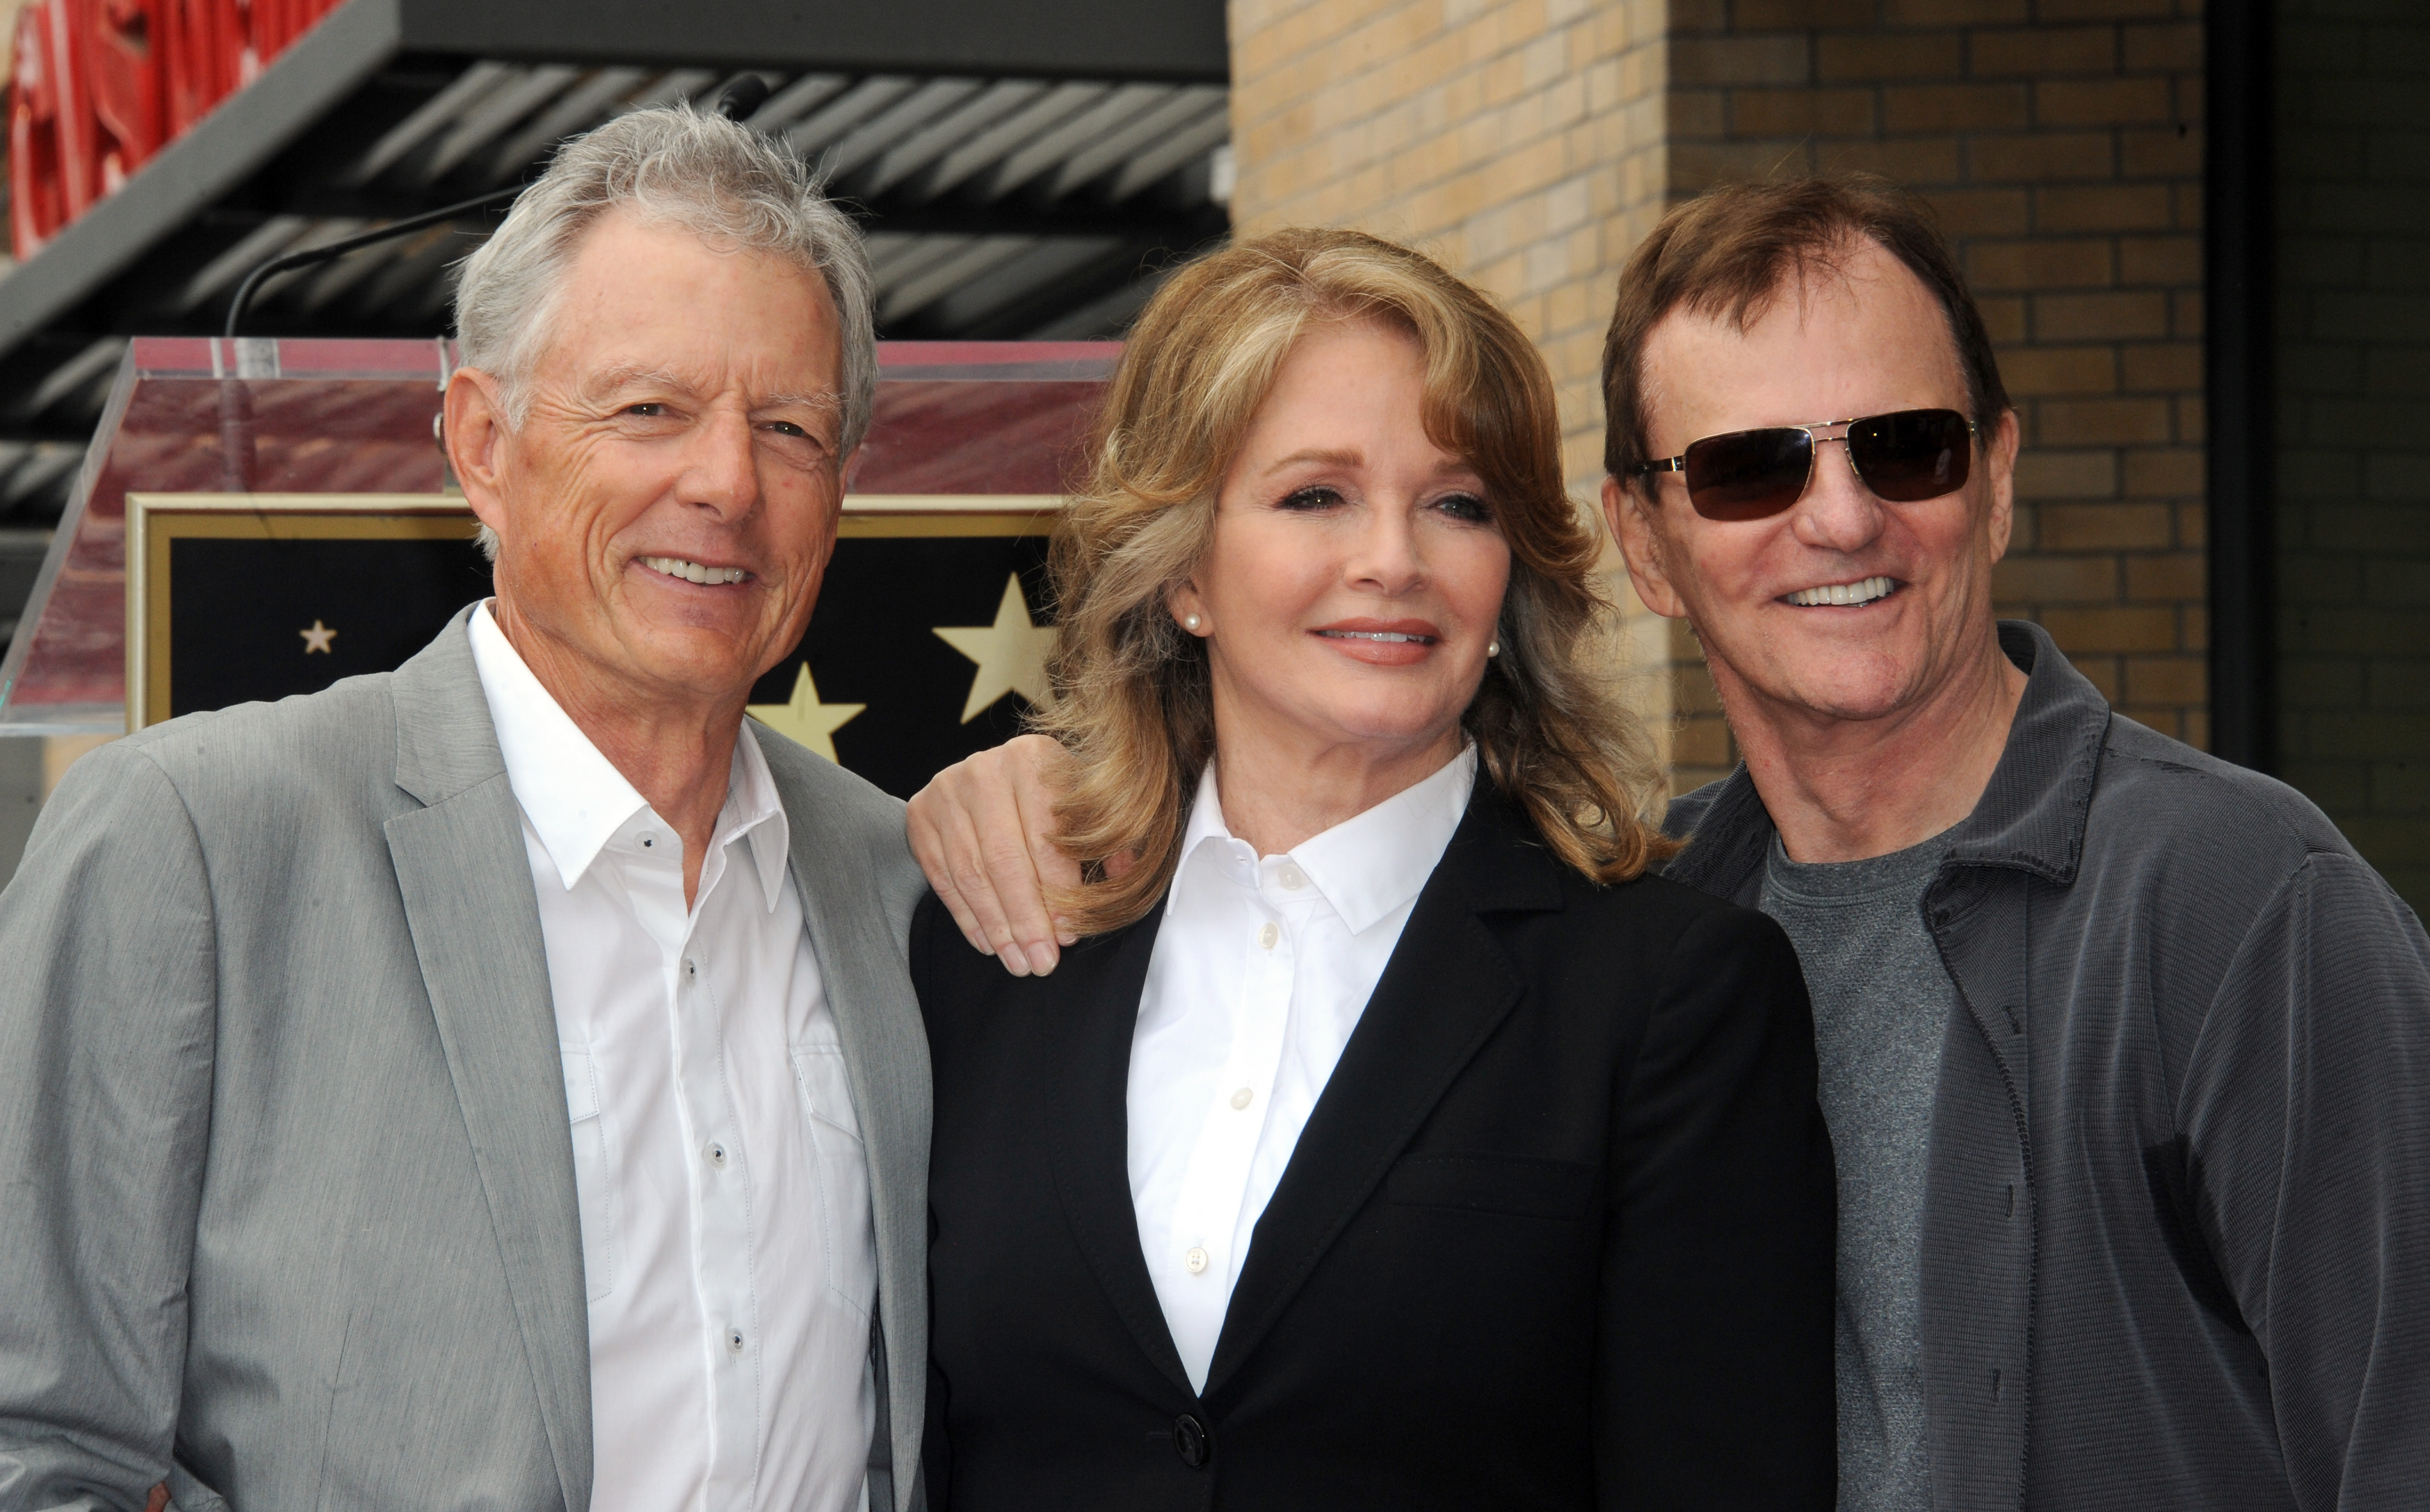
<point x="693" y="572"/>
<point x="1376" y="635"/>
<point x="1864" y="592"/>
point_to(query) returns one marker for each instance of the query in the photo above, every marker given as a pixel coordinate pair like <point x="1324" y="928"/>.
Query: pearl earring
<point x="1189" y="621"/>
<point x="1493" y="648"/>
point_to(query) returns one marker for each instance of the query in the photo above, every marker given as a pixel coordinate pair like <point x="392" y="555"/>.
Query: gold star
<point x="805" y="719"/>
<point x="317" y="639"/>
<point x="1011" y="653"/>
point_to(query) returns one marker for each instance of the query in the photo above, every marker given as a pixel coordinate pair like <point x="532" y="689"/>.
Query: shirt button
<point x="715" y="1153"/>
<point x="734" y="1341"/>
<point x="1293" y="878"/>
<point x="691" y="968"/>
<point x="1240" y="1099"/>
<point x="1195" y="1261"/>
<point x="648" y="841"/>
<point x="1266" y="935"/>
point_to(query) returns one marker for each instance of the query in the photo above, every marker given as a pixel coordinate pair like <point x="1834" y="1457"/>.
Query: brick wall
<point x="2353" y="422"/>
<point x="2061" y="142"/>
<point x="1530" y="144"/>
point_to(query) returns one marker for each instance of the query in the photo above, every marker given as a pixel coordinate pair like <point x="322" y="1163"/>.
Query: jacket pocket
<point x="1516" y="1186"/>
<point x="594" y="1188"/>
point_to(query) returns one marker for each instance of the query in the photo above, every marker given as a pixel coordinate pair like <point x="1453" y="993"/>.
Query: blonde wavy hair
<point x="1135" y="708"/>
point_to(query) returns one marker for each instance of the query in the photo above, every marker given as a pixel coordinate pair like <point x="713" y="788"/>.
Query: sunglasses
<point x="1753" y="474"/>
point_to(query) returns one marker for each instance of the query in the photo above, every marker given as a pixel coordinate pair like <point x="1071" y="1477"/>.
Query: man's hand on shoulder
<point x="983" y="830"/>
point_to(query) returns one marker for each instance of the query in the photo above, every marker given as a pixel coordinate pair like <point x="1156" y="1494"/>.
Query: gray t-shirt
<point x="1882" y="1000"/>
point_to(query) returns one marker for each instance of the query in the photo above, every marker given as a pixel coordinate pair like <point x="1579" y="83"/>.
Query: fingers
<point x="1039" y="780"/>
<point x="981" y="831"/>
<point x="924" y="822"/>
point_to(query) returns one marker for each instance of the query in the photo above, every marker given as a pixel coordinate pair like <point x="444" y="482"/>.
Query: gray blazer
<point x="287" y="1201"/>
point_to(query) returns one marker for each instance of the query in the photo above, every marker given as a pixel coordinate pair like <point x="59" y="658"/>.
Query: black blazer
<point x="1558" y="1233"/>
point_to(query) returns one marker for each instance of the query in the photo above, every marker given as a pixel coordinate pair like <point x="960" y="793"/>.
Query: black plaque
<point x="237" y="601"/>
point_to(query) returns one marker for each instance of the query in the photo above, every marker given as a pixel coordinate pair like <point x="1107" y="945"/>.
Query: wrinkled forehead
<point x="1859" y="330"/>
<point x="648" y="299"/>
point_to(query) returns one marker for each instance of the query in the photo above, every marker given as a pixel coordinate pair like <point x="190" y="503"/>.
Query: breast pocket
<point x="594" y="1188"/>
<point x="1508" y="1185"/>
<point x="851" y="1240"/>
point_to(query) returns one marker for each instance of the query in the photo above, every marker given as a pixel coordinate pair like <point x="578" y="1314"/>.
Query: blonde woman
<point x="1389" y="1138"/>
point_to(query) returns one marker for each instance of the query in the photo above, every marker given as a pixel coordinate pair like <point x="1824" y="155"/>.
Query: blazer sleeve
<point x="2306" y="1117"/>
<point x="1714" y="1376"/>
<point x="108" y="1014"/>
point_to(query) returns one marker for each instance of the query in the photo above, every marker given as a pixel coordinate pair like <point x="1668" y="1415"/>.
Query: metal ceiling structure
<point x="1023" y="171"/>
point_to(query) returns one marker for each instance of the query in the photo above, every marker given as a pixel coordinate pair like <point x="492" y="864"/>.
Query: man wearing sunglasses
<point x="2125" y="1053"/>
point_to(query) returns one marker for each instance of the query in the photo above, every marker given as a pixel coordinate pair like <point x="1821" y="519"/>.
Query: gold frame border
<point x="357" y="516"/>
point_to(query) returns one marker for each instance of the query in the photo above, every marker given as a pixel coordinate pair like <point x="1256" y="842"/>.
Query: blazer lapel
<point x="1447" y="987"/>
<point x="1089" y="1127"/>
<point x="467" y="890"/>
<point x="868" y="988"/>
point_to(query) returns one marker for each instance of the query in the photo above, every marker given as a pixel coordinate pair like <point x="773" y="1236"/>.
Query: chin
<point x="1850" y="692"/>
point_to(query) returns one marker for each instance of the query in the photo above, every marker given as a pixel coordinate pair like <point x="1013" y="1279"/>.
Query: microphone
<point x="742" y="96"/>
<point x="293" y="260"/>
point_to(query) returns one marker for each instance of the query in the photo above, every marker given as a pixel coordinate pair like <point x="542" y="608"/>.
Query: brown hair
<point x="1134" y="704"/>
<point x="1731" y="251"/>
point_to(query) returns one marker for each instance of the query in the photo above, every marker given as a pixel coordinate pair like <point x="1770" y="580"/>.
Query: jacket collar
<point x="2030" y="815"/>
<point x="445" y="744"/>
<point x="2030" y="818"/>
<point x="1448" y="985"/>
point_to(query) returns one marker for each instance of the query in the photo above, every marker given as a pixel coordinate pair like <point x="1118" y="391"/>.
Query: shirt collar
<point x="576" y="798"/>
<point x="1373" y="863"/>
<point x="2030" y="815"/>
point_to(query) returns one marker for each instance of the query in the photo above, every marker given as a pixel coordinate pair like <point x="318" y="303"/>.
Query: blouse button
<point x="1293" y="878"/>
<point x="1195" y="1261"/>
<point x="1240" y="1099"/>
<point x="1267" y="936"/>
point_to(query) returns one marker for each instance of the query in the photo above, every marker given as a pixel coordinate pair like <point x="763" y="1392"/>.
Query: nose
<point x="1386" y="558"/>
<point x="1837" y="512"/>
<point x="721" y="470"/>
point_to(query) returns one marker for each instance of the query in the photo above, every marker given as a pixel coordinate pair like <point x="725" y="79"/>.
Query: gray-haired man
<point x="498" y="1083"/>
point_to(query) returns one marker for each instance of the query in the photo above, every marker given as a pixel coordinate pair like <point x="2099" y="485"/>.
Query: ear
<point x="2000" y="460"/>
<point x="475" y="433"/>
<point x="1631" y="519"/>
<point x="1182" y="601"/>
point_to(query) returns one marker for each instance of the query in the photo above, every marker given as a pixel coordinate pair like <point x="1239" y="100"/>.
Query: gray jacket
<point x="2176" y="1238"/>
<point x="286" y="1175"/>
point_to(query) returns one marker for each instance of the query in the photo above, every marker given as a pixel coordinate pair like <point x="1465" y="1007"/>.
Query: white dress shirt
<point x="726" y="1241"/>
<point x="1259" y="973"/>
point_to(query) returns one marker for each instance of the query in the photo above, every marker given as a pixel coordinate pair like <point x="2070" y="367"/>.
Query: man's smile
<point x="1864" y="590"/>
<point x="692" y="572"/>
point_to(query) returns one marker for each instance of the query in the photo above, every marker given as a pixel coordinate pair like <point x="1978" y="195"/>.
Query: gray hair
<point x="670" y="165"/>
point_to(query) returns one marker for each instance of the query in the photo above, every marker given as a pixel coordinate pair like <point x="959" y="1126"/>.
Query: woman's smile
<point x="1382" y="643"/>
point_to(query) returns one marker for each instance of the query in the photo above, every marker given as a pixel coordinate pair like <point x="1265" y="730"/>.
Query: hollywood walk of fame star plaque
<point x="239" y="596"/>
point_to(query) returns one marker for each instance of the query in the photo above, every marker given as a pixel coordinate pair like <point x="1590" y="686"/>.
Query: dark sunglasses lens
<point x="1748" y="474"/>
<point x="1912" y="455"/>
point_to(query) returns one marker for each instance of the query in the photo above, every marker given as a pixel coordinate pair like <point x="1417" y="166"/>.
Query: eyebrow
<point x="609" y="380"/>
<point x="1353" y="457"/>
<point x="815" y="399"/>
<point x="1329" y="457"/>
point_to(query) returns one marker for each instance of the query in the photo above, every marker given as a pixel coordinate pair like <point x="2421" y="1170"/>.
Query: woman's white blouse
<point x="1259" y="974"/>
